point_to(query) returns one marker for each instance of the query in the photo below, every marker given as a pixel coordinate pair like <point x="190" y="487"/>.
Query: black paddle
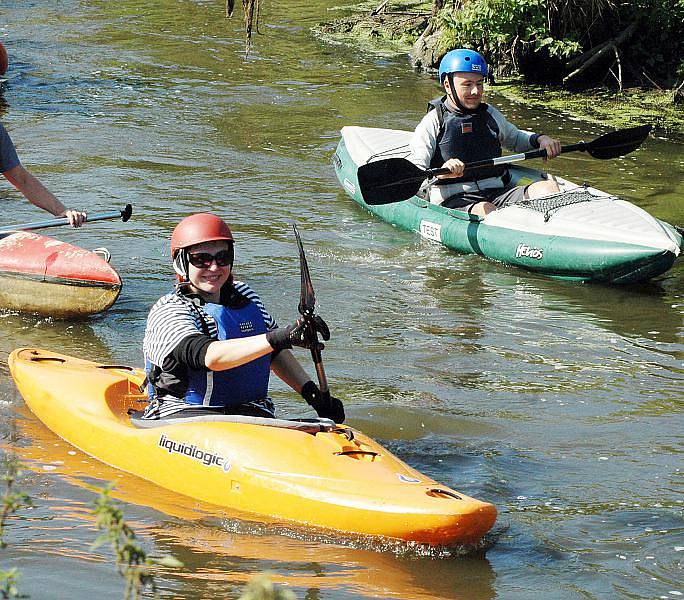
<point x="307" y="304"/>
<point x="124" y="215"/>
<point x="396" y="179"/>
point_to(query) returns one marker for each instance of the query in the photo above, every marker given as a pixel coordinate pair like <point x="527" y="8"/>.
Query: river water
<point x="561" y="403"/>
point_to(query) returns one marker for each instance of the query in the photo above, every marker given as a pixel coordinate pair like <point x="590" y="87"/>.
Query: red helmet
<point x="198" y="228"/>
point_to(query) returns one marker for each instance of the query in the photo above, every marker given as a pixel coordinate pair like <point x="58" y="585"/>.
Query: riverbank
<point x="372" y="28"/>
<point x="607" y="107"/>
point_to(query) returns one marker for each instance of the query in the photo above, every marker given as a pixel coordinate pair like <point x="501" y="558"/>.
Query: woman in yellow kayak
<point x="210" y="345"/>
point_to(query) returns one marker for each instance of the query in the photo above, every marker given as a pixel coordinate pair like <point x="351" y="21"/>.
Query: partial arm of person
<point x="219" y="355"/>
<point x="37" y="194"/>
<point x="424" y="140"/>
<point x="522" y="141"/>
<point x="287" y="367"/>
<point x="228" y="354"/>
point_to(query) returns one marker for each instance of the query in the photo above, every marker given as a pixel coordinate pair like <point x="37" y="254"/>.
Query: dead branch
<point x="578" y="60"/>
<point x="607" y="47"/>
<point x="651" y="80"/>
<point x="379" y="8"/>
<point x="619" y="68"/>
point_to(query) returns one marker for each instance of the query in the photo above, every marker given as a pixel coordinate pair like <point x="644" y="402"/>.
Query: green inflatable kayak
<point x="582" y="234"/>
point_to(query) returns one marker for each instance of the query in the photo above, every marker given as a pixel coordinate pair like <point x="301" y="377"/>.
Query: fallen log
<point x="608" y="46"/>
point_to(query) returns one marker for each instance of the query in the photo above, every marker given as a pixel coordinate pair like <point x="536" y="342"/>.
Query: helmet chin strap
<point x="180" y="264"/>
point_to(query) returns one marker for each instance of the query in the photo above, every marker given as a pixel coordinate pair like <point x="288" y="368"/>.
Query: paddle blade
<point x="618" y="143"/>
<point x="389" y="180"/>
<point x="307" y="298"/>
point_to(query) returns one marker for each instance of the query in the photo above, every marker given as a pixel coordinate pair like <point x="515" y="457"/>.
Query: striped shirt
<point x="173" y="318"/>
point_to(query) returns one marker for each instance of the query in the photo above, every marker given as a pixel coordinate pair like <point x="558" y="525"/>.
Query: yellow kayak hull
<point x="337" y="479"/>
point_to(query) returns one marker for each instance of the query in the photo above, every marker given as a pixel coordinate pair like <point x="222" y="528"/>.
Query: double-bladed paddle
<point x="307" y="305"/>
<point x="124" y="215"/>
<point x="396" y="179"/>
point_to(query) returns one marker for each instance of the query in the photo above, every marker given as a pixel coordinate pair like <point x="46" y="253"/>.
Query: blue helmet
<point x="462" y="60"/>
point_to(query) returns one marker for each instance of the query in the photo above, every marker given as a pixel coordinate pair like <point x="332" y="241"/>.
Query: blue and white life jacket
<point x="232" y="387"/>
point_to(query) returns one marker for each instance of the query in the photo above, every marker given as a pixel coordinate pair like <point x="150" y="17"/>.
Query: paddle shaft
<point x="396" y="179"/>
<point x="320" y="371"/>
<point x="505" y="160"/>
<point x="124" y="215"/>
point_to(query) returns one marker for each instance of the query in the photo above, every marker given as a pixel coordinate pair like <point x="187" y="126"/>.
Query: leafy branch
<point x="132" y="561"/>
<point x="11" y="503"/>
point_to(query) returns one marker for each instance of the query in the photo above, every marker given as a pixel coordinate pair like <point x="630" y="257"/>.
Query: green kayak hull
<point x="557" y="256"/>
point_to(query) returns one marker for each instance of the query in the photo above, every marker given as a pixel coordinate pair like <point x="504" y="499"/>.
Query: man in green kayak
<point x="210" y="345"/>
<point x="29" y="185"/>
<point x="460" y="128"/>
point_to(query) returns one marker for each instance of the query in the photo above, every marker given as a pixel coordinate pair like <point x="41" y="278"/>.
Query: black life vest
<point x="468" y="136"/>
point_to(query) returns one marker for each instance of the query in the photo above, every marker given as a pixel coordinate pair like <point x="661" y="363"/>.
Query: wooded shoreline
<point x="409" y="29"/>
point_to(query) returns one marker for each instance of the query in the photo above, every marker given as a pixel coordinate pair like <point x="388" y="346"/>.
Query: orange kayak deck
<point x="335" y="478"/>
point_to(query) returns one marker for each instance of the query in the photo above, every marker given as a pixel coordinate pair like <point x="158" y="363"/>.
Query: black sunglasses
<point x="203" y="260"/>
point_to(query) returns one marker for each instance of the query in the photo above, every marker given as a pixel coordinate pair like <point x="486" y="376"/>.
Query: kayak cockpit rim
<point x="304" y="425"/>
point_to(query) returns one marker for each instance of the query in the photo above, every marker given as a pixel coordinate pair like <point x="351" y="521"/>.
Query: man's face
<point x="468" y="88"/>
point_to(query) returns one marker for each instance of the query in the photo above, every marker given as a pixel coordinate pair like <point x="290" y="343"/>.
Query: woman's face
<point x="209" y="267"/>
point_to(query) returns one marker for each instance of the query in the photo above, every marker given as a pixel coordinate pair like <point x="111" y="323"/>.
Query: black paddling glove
<point x="325" y="405"/>
<point x="297" y="334"/>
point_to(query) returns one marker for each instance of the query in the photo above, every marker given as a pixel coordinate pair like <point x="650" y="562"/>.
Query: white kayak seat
<point x="305" y="425"/>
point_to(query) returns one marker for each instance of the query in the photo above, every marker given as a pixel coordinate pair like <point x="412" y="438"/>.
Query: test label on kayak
<point x="349" y="186"/>
<point x="431" y="231"/>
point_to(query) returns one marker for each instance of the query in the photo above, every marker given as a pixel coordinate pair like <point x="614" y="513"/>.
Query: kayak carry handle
<point x="358" y="454"/>
<point x="47" y="359"/>
<point x="442" y="493"/>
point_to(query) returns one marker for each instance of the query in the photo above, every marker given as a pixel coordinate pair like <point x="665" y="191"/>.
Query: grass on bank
<point x="631" y="107"/>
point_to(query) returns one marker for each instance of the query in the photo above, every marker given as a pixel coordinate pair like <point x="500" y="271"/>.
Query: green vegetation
<point x="628" y="108"/>
<point x="262" y="588"/>
<point x="12" y="502"/>
<point x="576" y="43"/>
<point x="594" y="59"/>
<point x="132" y="561"/>
<point x="377" y="27"/>
<point x="8" y="585"/>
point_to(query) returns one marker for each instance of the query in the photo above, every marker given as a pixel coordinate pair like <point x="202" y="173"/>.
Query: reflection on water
<point x="558" y="402"/>
<point x="222" y="550"/>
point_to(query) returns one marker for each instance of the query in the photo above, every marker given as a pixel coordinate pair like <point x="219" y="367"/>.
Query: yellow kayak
<point x="312" y="473"/>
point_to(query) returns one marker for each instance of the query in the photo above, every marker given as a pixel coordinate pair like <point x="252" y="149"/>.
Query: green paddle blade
<point x="618" y="143"/>
<point x="389" y="180"/>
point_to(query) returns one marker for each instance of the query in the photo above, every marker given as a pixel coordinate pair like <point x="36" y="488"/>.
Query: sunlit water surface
<point x="560" y="403"/>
